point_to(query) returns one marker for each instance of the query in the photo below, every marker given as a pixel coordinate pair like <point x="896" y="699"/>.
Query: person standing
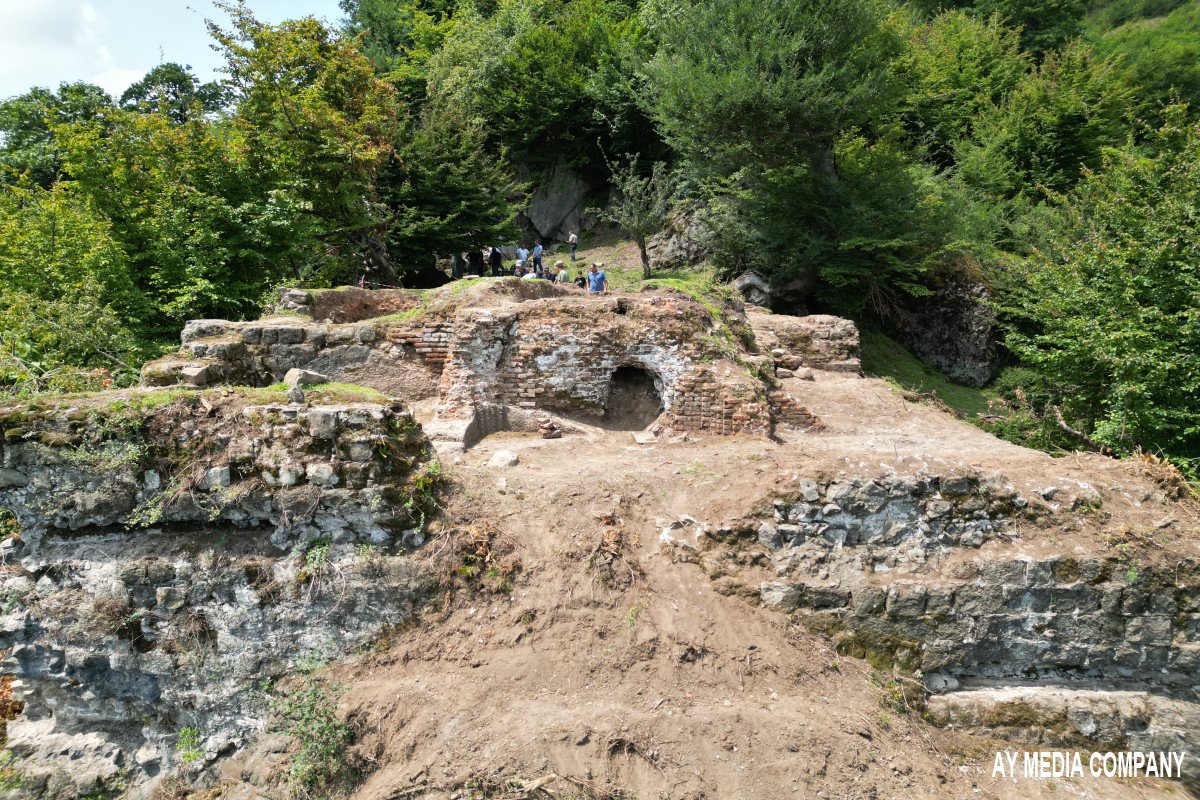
<point x="537" y="255"/>
<point x="572" y="240"/>
<point x="496" y="261"/>
<point x="597" y="280"/>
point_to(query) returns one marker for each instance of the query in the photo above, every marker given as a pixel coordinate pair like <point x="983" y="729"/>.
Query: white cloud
<point x="46" y="42"/>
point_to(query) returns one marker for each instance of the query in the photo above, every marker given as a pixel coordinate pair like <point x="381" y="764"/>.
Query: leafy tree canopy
<point x="1110" y="309"/>
<point x="171" y="89"/>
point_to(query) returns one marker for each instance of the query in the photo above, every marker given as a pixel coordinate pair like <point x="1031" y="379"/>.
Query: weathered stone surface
<point x="861" y="557"/>
<point x="201" y="375"/>
<point x="954" y="331"/>
<point x="504" y="458"/>
<point x="1110" y="718"/>
<point x="303" y="377"/>
<point x="10" y="478"/>
<point x="143" y="600"/>
<point x="755" y="288"/>
<point x="556" y="205"/>
<point x="680" y="243"/>
<point x="818" y="341"/>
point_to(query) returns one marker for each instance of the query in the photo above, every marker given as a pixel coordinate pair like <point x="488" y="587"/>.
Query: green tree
<point x="959" y="66"/>
<point x="171" y="89"/>
<point x="1109" y="312"/>
<point x="1160" y="58"/>
<point x="445" y="191"/>
<point x="1052" y="125"/>
<point x="63" y="280"/>
<point x="784" y="112"/>
<point x="399" y="36"/>
<point x="205" y="234"/>
<point x="1045" y="24"/>
<point x="317" y="123"/>
<point x="750" y="83"/>
<point x="642" y="203"/>
<point x="26" y="142"/>
<point x="544" y="78"/>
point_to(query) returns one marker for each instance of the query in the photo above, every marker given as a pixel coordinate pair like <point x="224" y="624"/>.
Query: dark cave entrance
<point x="634" y="401"/>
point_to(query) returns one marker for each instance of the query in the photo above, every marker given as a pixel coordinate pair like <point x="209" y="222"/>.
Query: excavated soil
<point x="593" y="664"/>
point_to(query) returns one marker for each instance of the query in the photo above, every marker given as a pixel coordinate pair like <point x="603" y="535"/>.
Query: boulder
<point x="201" y="374"/>
<point x="556" y="205"/>
<point x="303" y="377"/>
<point x="680" y="243"/>
<point x="954" y="331"/>
<point x="754" y="288"/>
<point x="504" y="458"/>
<point x="10" y="478"/>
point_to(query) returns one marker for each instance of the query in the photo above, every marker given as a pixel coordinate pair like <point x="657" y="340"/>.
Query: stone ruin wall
<point x="166" y="568"/>
<point x="918" y="576"/>
<point x="553" y="351"/>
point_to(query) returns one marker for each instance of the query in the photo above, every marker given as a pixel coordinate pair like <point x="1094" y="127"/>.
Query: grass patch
<point x="344" y="393"/>
<point x="882" y="357"/>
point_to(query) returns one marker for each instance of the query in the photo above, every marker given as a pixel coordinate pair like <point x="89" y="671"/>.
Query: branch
<point x="1080" y="435"/>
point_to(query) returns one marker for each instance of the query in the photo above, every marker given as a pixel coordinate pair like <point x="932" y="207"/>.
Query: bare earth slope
<point x="642" y="679"/>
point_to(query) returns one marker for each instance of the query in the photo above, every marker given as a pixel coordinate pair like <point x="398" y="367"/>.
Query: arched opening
<point x="634" y="401"/>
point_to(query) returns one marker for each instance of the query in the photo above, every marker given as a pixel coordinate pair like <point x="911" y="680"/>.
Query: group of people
<point x="594" y="280"/>
<point x="529" y="266"/>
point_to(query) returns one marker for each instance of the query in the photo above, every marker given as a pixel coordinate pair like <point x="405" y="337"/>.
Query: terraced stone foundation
<point x="924" y="577"/>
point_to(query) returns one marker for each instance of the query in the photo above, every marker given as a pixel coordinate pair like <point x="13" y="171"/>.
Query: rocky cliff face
<point x="954" y="331"/>
<point x="181" y="551"/>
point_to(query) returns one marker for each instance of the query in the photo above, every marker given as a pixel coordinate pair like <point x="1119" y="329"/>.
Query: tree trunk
<point x="641" y="243"/>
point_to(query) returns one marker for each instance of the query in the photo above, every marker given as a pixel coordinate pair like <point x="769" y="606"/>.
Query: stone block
<point x="504" y="458"/>
<point x="201" y="375"/>
<point x="303" y="377"/>
<point x="321" y="473"/>
<point x="10" y="478"/>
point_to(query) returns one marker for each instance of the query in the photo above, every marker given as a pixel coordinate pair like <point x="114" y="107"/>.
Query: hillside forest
<point x="869" y="151"/>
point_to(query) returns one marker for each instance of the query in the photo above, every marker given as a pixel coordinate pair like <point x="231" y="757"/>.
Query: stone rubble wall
<point x="816" y="341"/>
<point x="167" y="571"/>
<point x="1058" y="716"/>
<point x="862" y="553"/>
<point x="884" y="566"/>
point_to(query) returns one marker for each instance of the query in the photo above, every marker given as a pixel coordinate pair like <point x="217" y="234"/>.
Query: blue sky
<point x="113" y="43"/>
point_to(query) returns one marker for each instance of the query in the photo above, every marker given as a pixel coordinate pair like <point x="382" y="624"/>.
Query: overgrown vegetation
<point x="322" y="764"/>
<point x="480" y="558"/>
<point x="859" y="152"/>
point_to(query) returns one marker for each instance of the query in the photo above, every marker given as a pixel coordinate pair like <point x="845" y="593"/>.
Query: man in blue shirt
<point x="597" y="280"/>
<point x="537" y="256"/>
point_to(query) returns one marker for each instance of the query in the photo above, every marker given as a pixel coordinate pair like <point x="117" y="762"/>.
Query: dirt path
<point x="611" y="669"/>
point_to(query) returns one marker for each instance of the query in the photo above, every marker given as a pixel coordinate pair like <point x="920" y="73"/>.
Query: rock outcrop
<point x="921" y="577"/>
<point x="556" y="206"/>
<point x="954" y="331"/>
<point x="681" y="242"/>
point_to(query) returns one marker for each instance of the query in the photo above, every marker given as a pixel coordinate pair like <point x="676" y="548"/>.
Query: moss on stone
<point x="882" y="650"/>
